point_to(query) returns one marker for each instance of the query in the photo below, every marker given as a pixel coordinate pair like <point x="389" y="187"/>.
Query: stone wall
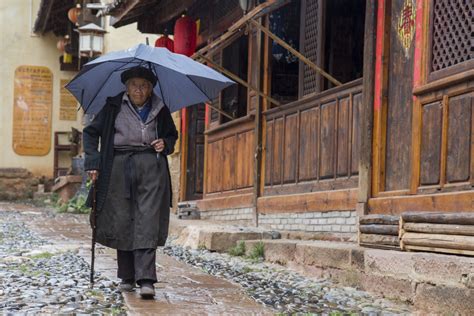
<point x="334" y="223"/>
<point x="320" y="222"/>
<point x="240" y="215"/>
<point x="16" y="184"/>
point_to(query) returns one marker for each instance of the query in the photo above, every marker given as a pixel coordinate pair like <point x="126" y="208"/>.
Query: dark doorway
<point x="195" y="152"/>
<point x="344" y="40"/>
<point x="235" y="59"/>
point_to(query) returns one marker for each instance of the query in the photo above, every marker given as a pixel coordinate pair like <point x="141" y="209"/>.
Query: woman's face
<point x="139" y="90"/>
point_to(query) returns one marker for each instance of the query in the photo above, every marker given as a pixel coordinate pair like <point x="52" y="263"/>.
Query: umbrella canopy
<point x="181" y="80"/>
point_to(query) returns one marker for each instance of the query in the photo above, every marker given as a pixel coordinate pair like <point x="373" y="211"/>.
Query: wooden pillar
<point x="255" y="54"/>
<point x="366" y="121"/>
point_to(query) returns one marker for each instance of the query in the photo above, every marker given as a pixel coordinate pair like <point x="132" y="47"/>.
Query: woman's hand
<point x="158" y="144"/>
<point x="93" y="174"/>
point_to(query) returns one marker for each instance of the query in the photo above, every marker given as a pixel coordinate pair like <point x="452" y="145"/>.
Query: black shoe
<point x="147" y="290"/>
<point x="127" y="285"/>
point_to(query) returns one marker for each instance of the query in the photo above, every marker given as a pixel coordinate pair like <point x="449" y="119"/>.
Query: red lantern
<point x="185" y="36"/>
<point x="165" y="41"/>
<point x="73" y="14"/>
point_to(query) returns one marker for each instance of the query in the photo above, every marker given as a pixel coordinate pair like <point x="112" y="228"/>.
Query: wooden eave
<point x="130" y="11"/>
<point x="52" y="17"/>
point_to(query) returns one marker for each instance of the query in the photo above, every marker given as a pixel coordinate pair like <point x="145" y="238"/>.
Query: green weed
<point x="257" y="251"/>
<point x="238" y="250"/>
<point x="43" y="255"/>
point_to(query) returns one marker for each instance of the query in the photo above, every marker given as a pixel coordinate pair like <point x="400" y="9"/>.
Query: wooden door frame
<point x="367" y="111"/>
<point x="381" y="96"/>
<point x="382" y="52"/>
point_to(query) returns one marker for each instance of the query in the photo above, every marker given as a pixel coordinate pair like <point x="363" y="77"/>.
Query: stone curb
<point x="435" y="282"/>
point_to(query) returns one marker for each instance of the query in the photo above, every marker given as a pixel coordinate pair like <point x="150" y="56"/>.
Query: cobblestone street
<point x="44" y="262"/>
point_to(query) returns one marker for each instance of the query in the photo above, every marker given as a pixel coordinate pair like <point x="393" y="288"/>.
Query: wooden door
<point x="195" y="152"/>
<point x="393" y="104"/>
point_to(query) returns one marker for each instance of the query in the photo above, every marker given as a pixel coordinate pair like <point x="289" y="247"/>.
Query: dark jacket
<point x="101" y="131"/>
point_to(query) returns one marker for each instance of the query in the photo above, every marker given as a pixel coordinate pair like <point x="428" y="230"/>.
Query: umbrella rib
<point x="161" y="88"/>
<point x="96" y="65"/>
<point x="99" y="90"/>
<point x="209" y="99"/>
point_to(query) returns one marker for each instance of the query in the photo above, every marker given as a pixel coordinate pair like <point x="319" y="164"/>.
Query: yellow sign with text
<point x="67" y="103"/>
<point x="32" y="104"/>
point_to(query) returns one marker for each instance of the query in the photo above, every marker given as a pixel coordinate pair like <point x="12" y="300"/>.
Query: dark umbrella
<point x="181" y="80"/>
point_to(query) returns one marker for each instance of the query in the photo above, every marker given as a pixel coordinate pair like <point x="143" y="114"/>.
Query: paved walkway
<point x="181" y="290"/>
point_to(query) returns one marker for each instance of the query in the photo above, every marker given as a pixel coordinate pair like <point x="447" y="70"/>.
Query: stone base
<point x="17" y="184"/>
<point x="432" y="282"/>
<point x="67" y="186"/>
<point x="242" y="216"/>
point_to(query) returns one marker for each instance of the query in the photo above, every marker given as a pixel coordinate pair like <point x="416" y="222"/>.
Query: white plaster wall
<point x="18" y="46"/>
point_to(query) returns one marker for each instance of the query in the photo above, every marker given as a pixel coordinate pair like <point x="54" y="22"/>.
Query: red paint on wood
<point x="418" y="45"/>
<point x="378" y="55"/>
<point x="206" y="116"/>
<point x="183" y="121"/>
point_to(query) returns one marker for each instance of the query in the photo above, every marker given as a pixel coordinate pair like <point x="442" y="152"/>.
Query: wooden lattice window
<point x="452" y="37"/>
<point x="312" y="45"/>
<point x="216" y="58"/>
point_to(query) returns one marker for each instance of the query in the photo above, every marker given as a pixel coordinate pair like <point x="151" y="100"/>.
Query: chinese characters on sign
<point x="67" y="103"/>
<point x="32" y="103"/>
<point x="406" y="25"/>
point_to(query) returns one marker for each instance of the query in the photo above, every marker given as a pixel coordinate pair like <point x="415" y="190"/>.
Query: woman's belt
<point x="130" y="168"/>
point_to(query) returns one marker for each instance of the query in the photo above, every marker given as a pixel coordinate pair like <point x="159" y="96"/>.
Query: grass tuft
<point x="257" y="251"/>
<point x="238" y="250"/>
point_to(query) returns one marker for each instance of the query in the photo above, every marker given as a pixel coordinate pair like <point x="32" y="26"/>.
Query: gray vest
<point x="129" y="128"/>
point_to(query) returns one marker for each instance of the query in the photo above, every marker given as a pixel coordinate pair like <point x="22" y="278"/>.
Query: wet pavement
<point x="181" y="289"/>
<point x="190" y="282"/>
<point x="37" y="277"/>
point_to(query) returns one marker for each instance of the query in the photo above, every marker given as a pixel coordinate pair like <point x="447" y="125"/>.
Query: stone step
<point x="420" y="278"/>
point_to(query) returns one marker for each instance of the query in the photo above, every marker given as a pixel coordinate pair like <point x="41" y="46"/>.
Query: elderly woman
<point x="135" y="132"/>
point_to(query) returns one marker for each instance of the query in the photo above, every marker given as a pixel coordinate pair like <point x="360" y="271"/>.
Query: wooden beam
<point x="380" y="97"/>
<point x="378" y="239"/>
<point x="225" y="38"/>
<point x="220" y="111"/>
<point x="430" y="228"/>
<point x="266" y="88"/>
<point x="167" y="10"/>
<point x="444" y="83"/>
<point x="238" y="79"/>
<point x="295" y="52"/>
<point x="256" y="50"/>
<point x="129" y="5"/>
<point x="379" y="219"/>
<point x="444" y="141"/>
<point x="254" y="13"/>
<point x="339" y="200"/>
<point x="227" y="202"/>
<point x="184" y="155"/>
<point x="47" y="13"/>
<point x="439" y="249"/>
<point x="367" y="108"/>
<point x="417" y="127"/>
<point x="458" y="218"/>
<point x="472" y="150"/>
<point x="443" y="202"/>
<point x="379" y="229"/>
<point x="439" y="241"/>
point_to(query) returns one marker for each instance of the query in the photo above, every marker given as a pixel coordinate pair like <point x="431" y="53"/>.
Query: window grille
<point x="452" y="40"/>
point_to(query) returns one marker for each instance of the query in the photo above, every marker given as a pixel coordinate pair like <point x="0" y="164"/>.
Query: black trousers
<point x="138" y="265"/>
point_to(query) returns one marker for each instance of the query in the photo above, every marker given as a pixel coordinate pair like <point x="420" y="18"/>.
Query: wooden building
<point x="373" y="113"/>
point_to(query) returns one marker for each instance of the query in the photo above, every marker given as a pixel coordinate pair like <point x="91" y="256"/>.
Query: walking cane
<point x="93" y="225"/>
